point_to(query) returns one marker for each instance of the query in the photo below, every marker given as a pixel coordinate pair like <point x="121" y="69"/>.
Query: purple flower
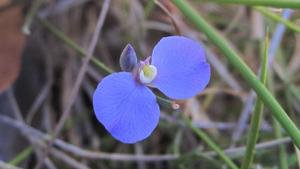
<point x="125" y="105"/>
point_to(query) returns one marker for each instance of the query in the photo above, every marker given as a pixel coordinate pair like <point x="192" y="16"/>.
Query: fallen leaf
<point x="11" y="44"/>
<point x="4" y="2"/>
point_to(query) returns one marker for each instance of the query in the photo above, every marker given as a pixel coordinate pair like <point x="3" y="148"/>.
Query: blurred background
<point x="43" y="44"/>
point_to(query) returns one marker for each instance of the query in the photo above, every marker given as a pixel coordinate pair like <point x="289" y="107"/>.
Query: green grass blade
<point x="257" y="115"/>
<point x="211" y="144"/>
<point x="21" y="156"/>
<point x="271" y="3"/>
<point x="282" y="153"/>
<point x="283" y="160"/>
<point x="245" y="71"/>
<point x="278" y="18"/>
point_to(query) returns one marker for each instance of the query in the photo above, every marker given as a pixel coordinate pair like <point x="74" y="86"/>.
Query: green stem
<point x="21" y="156"/>
<point x="282" y="154"/>
<point x="245" y="71"/>
<point x="31" y="14"/>
<point x="257" y="115"/>
<point x="270" y="3"/>
<point x="210" y="143"/>
<point x="60" y="35"/>
<point x="177" y="142"/>
<point x="278" y="18"/>
<point x="283" y="161"/>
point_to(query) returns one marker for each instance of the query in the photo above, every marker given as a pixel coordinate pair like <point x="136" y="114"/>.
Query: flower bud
<point x="128" y="58"/>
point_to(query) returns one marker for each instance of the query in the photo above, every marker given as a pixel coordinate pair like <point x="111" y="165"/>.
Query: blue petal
<point x="182" y="70"/>
<point x="127" y="109"/>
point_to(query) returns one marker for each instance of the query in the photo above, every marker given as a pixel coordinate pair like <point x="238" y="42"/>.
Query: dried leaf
<point x="4" y="2"/>
<point x="10" y="46"/>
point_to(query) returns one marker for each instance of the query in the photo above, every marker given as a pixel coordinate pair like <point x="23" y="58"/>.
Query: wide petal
<point x="127" y="109"/>
<point x="182" y="70"/>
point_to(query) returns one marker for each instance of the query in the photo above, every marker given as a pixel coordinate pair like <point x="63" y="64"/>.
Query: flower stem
<point x="282" y="154"/>
<point x="234" y="58"/>
<point x="283" y="160"/>
<point x="21" y="156"/>
<point x="257" y="115"/>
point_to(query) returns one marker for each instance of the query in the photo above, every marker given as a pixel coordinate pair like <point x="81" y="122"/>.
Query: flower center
<point x="148" y="74"/>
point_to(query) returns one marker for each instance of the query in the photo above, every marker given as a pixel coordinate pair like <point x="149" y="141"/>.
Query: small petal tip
<point x="128" y="58"/>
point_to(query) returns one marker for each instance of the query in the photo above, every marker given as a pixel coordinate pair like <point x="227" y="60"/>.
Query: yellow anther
<point x="148" y="73"/>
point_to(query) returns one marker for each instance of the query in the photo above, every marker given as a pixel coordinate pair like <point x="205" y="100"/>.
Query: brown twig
<point x="70" y="148"/>
<point x="44" y="92"/>
<point x="138" y="148"/>
<point x="67" y="159"/>
<point x="16" y="110"/>
<point x="82" y="71"/>
<point x="49" y="164"/>
<point x="38" y="102"/>
<point x="28" y="131"/>
<point x="262" y="145"/>
<point x="173" y="20"/>
<point x="18" y="115"/>
<point x="83" y="68"/>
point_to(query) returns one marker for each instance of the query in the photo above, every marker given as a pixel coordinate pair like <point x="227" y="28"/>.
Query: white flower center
<point x="148" y="74"/>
